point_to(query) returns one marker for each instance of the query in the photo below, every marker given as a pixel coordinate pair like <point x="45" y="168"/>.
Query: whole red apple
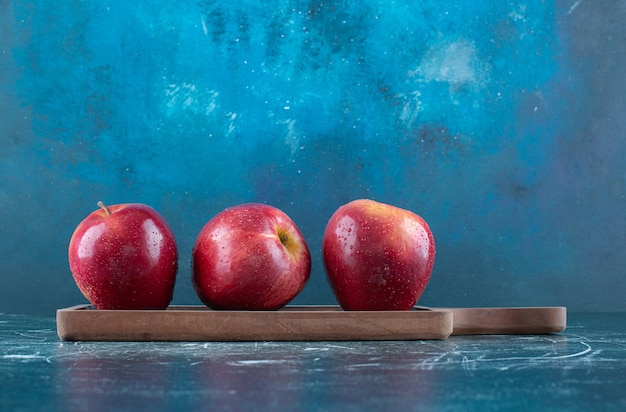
<point x="250" y="257"/>
<point x="377" y="256"/>
<point x="124" y="257"/>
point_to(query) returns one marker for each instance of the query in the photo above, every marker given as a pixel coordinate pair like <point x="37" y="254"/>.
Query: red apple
<point x="124" y="257"/>
<point x="377" y="256"/>
<point x="250" y="257"/>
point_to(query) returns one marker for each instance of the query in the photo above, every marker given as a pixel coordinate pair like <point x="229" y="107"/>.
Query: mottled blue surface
<point x="501" y="123"/>
<point x="580" y="370"/>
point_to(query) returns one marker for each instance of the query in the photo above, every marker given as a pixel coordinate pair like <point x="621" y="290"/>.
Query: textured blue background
<point x="501" y="123"/>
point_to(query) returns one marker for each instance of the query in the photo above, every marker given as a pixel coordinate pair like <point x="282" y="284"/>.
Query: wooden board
<point x="295" y="323"/>
<point x="507" y="321"/>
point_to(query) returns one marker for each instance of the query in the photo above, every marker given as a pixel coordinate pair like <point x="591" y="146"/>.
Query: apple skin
<point x="250" y="257"/>
<point x="124" y="257"/>
<point x="377" y="256"/>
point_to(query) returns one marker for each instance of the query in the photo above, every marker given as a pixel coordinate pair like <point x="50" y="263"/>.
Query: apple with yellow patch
<point x="250" y="257"/>
<point x="377" y="256"/>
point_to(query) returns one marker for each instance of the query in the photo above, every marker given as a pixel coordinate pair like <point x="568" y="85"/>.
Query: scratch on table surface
<point x="363" y="365"/>
<point x="34" y="356"/>
<point x="575" y="355"/>
<point x="534" y="359"/>
<point x="258" y="362"/>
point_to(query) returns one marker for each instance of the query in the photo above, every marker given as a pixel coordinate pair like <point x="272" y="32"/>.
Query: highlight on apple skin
<point x="124" y="256"/>
<point x="250" y="257"/>
<point x="377" y="256"/>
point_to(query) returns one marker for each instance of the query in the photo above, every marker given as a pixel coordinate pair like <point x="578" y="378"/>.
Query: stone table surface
<point x="580" y="369"/>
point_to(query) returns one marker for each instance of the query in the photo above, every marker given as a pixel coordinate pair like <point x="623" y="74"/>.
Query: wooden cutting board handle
<point x="509" y="321"/>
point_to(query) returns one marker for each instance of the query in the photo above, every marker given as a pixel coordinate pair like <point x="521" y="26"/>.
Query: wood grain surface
<point x="299" y="323"/>
<point x="509" y="321"/>
<point x="195" y="323"/>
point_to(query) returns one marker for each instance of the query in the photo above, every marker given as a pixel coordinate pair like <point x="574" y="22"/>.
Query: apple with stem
<point x="124" y="256"/>
<point x="250" y="257"/>
<point x="377" y="256"/>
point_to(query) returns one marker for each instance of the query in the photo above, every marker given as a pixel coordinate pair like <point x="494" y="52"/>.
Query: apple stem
<point x="103" y="207"/>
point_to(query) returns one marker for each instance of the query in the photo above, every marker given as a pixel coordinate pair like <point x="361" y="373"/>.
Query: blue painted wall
<point x="501" y="123"/>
